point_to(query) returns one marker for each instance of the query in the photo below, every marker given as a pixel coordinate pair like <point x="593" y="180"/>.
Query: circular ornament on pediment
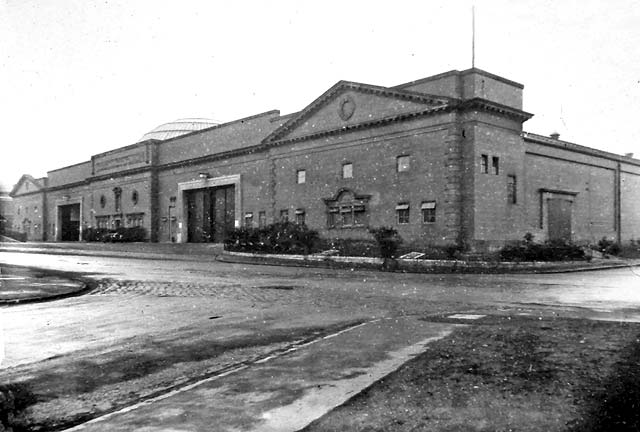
<point x="346" y="107"/>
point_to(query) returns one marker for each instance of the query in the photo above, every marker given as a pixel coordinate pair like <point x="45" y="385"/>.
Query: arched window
<point x="134" y="197"/>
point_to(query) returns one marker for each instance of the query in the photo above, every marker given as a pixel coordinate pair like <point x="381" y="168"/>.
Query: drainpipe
<point x="617" y="211"/>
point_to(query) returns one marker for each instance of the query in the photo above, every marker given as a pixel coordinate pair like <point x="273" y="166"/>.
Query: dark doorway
<point x="210" y="213"/>
<point x="559" y="216"/>
<point x="70" y="222"/>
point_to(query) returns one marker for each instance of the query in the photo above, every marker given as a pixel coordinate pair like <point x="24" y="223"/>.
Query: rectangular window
<point x="262" y="219"/>
<point x="284" y="215"/>
<point x="428" y="209"/>
<point x="512" y="190"/>
<point x="484" y="164"/>
<point x="301" y="176"/>
<point x="248" y="219"/>
<point x="346" y="215"/>
<point x="332" y="217"/>
<point x="495" y="165"/>
<point x="403" y="163"/>
<point x="300" y="216"/>
<point x="402" y="213"/>
<point x="347" y="170"/>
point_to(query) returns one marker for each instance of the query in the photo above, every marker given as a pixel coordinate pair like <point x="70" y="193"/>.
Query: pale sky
<point x="79" y="77"/>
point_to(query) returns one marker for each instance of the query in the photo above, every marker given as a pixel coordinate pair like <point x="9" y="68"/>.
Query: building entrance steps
<point x="285" y="392"/>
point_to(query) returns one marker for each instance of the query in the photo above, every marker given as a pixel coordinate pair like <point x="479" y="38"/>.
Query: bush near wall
<point x="281" y="237"/>
<point x="122" y="234"/>
<point x="551" y="250"/>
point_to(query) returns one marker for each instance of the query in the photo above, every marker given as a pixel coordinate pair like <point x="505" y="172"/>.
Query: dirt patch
<point x="67" y="390"/>
<point x="511" y="373"/>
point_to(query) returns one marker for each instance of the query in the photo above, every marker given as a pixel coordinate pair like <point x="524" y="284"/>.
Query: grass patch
<point x="520" y="374"/>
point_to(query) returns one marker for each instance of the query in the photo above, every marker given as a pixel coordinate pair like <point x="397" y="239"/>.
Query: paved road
<point x="145" y="300"/>
<point x="137" y="297"/>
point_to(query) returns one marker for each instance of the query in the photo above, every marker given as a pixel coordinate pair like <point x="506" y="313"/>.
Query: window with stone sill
<point x="403" y="163"/>
<point x="262" y="219"/>
<point x="284" y="215"/>
<point x="300" y="216"/>
<point x="428" y="209"/>
<point x="301" y="176"/>
<point x="347" y="170"/>
<point x="402" y="213"/>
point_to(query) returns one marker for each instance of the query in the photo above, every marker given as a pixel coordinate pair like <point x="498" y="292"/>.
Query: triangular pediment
<point x="347" y="105"/>
<point x="27" y="184"/>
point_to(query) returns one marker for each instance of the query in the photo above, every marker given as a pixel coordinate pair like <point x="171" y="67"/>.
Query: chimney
<point x="555" y="135"/>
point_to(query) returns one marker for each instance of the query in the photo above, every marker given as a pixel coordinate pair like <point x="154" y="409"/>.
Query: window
<point x="495" y="165"/>
<point x="102" y="222"/>
<point x="134" y="197"/>
<point x="117" y="196"/>
<point x="103" y="201"/>
<point x="512" y="196"/>
<point x="428" y="209"/>
<point x="248" y="219"/>
<point x="284" y="215"/>
<point x="402" y="213"/>
<point x="301" y="176"/>
<point x="403" y="163"/>
<point x="262" y="219"/>
<point x="134" y="219"/>
<point x="484" y="164"/>
<point x="346" y="216"/>
<point x="300" y="217"/>
<point x="347" y="210"/>
<point x="35" y="209"/>
<point x="347" y="170"/>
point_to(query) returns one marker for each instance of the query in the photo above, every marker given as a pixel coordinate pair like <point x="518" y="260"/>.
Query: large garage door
<point x="559" y="216"/>
<point x="210" y="213"/>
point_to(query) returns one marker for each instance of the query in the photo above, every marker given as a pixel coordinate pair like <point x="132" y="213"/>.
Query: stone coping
<point x="427" y="265"/>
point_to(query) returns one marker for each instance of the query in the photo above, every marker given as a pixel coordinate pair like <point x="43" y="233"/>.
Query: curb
<point x="416" y="266"/>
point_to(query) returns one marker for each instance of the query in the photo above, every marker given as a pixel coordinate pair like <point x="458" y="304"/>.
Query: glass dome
<point x="178" y="127"/>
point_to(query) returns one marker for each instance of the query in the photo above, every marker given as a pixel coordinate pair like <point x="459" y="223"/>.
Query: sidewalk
<point x="285" y="392"/>
<point x="165" y="251"/>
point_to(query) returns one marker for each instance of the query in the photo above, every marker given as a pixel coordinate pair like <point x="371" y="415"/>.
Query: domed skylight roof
<point x="178" y="127"/>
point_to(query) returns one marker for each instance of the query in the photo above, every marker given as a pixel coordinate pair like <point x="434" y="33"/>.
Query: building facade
<point x="443" y="159"/>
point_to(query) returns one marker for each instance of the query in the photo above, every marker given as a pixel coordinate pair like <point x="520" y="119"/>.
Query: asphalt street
<point x="154" y="299"/>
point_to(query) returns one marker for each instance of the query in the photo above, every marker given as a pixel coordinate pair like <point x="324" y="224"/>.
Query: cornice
<point x="494" y="107"/>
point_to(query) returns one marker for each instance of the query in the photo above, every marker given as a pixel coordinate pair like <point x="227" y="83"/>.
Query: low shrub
<point x="350" y="247"/>
<point x="608" y="247"/>
<point x="550" y="250"/>
<point x="388" y="241"/>
<point x="281" y="237"/>
<point x="121" y="234"/>
<point x="93" y="234"/>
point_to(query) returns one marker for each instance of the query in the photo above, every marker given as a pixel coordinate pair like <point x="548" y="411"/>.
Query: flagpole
<point x="473" y="36"/>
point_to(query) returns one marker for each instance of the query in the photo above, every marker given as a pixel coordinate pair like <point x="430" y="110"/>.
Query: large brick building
<point x="443" y="159"/>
